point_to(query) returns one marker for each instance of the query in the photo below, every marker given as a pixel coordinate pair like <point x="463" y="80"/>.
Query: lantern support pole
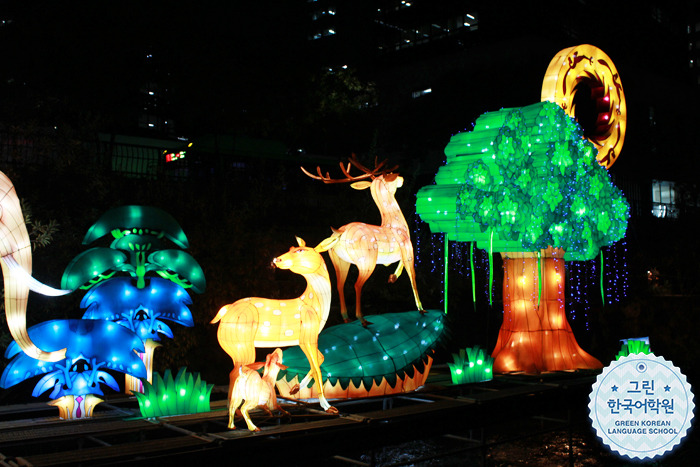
<point x="447" y="267"/>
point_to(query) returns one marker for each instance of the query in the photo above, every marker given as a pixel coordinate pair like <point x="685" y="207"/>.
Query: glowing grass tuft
<point x="633" y="346"/>
<point x="471" y="365"/>
<point x="185" y="394"/>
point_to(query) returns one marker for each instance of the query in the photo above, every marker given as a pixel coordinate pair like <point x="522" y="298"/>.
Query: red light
<point x="173" y="156"/>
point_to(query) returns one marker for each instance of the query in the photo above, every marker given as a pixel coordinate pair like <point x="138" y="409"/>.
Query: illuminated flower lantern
<point x="366" y="245"/>
<point x="525" y="182"/>
<point x="136" y="282"/>
<point x="92" y="347"/>
<point x="16" y="261"/>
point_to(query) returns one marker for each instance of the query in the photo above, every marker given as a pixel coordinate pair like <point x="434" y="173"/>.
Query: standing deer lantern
<point x="263" y="322"/>
<point x="366" y="245"/>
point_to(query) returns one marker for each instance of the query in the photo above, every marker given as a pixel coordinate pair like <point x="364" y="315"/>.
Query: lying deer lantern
<point x="263" y="322"/>
<point x="366" y="245"/>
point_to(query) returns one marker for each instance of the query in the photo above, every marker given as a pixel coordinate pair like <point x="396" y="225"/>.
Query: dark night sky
<point x="91" y="55"/>
<point x="236" y="66"/>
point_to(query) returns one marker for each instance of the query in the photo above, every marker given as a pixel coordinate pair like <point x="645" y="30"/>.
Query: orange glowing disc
<point x="587" y="64"/>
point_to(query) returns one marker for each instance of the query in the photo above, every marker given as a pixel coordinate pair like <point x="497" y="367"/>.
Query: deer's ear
<point x="361" y="185"/>
<point x="255" y="366"/>
<point x="301" y="241"/>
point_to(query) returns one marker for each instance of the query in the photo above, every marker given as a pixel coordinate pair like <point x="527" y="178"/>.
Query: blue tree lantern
<point x="131" y="275"/>
<point x="92" y="347"/>
<point x="144" y="310"/>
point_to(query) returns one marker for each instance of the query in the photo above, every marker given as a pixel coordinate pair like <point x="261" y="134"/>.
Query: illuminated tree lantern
<point x="16" y="261"/>
<point x="137" y="282"/>
<point x="144" y="311"/>
<point x="92" y="347"/>
<point x="553" y="346"/>
<point x="525" y="182"/>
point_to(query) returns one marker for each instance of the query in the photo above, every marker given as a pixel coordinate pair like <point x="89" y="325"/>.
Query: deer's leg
<point x="308" y="342"/>
<point x="244" y="411"/>
<point x="274" y="405"/>
<point x="236" y="335"/>
<point x="231" y="382"/>
<point x="364" y="273"/>
<point x="267" y="410"/>
<point x="407" y="260"/>
<point x="232" y="407"/>
<point x="341" y="273"/>
<point x="310" y="374"/>
<point x="304" y="382"/>
<point x="397" y="273"/>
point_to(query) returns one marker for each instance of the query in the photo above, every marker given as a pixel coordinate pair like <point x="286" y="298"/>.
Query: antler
<point x="376" y="172"/>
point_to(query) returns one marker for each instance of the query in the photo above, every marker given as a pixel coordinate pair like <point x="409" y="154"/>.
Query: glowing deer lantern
<point x="256" y="390"/>
<point x="366" y="245"/>
<point x="263" y="322"/>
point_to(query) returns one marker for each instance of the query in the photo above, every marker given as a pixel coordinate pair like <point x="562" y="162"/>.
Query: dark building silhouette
<point x="428" y="70"/>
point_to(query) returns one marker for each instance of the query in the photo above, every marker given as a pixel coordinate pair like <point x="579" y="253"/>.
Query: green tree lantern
<point x="525" y="183"/>
<point x="137" y="281"/>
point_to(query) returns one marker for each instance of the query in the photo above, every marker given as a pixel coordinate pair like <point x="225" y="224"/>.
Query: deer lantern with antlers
<point x="366" y="245"/>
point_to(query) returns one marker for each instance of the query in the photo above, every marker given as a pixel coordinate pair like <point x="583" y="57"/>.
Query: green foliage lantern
<point x="522" y="180"/>
<point x="633" y="346"/>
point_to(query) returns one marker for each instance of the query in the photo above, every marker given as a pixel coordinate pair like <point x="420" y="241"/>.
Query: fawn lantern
<point x="253" y="390"/>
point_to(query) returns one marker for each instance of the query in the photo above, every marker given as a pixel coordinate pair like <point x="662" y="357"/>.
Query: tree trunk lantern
<point x="535" y="335"/>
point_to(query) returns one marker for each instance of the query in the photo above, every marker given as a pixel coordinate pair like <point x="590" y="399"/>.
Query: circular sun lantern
<point x="573" y="72"/>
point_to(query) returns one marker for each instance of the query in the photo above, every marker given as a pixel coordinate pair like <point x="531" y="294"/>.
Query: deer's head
<point x="303" y="259"/>
<point x="383" y="183"/>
